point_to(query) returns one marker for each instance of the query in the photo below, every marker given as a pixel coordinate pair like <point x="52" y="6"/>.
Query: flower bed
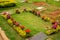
<point x="16" y="26"/>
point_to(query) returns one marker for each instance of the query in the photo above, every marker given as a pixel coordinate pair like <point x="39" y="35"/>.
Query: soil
<point x="39" y="3"/>
<point x="54" y="14"/>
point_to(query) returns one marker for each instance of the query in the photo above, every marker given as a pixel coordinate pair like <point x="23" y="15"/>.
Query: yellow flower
<point x="23" y="33"/>
<point x="9" y="21"/>
<point x="48" y="18"/>
<point x="17" y="28"/>
<point x="49" y="32"/>
<point x="4" y="16"/>
<point x="58" y="28"/>
<point x="20" y="31"/>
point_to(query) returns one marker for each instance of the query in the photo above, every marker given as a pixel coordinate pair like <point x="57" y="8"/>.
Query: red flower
<point x="4" y="13"/>
<point x="8" y="16"/>
<point x="14" y="22"/>
<point x="56" y="23"/>
<point x="38" y="13"/>
<point x="27" y="31"/>
<point x="12" y="19"/>
<point x="17" y="24"/>
<point x="22" y="27"/>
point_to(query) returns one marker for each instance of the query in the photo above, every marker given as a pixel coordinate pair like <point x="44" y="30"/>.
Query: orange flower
<point x="27" y="31"/>
<point x="22" y="27"/>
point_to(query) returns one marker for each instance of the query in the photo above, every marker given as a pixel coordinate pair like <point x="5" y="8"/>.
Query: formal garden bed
<point x="30" y="19"/>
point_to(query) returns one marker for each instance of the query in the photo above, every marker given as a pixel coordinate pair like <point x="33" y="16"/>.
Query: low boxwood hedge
<point x="8" y="5"/>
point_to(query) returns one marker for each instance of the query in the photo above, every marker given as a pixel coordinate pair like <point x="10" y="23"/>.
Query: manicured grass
<point x="34" y="23"/>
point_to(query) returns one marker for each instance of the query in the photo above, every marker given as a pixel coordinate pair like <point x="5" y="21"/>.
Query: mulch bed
<point x="39" y="3"/>
<point x="54" y="14"/>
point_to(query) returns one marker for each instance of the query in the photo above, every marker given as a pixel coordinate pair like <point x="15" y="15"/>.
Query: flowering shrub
<point x="6" y="15"/>
<point x="43" y="17"/>
<point x="38" y="13"/>
<point x="54" y="26"/>
<point x="27" y="30"/>
<point x="10" y="22"/>
<point x="49" y="32"/>
<point x="58" y="28"/>
<point x="52" y="20"/>
<point x="22" y="27"/>
<point x="22" y="33"/>
<point x="17" y="24"/>
<point x="48" y="19"/>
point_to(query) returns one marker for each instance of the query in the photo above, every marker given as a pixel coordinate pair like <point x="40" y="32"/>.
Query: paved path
<point x="40" y="36"/>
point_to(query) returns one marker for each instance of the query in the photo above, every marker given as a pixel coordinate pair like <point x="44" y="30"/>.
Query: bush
<point x="22" y="27"/>
<point x="48" y="32"/>
<point x="10" y="5"/>
<point x="17" y="11"/>
<point x="10" y="22"/>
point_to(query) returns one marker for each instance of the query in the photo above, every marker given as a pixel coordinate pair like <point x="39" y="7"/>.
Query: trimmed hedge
<point x="8" y="5"/>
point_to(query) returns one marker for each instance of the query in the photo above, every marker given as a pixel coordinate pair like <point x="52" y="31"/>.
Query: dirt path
<point x="2" y="35"/>
<point x="1" y="38"/>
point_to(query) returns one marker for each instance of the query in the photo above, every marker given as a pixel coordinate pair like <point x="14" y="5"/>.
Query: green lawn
<point x="34" y="23"/>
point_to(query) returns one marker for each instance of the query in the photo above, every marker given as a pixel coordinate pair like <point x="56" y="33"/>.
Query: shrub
<point x="16" y="23"/>
<point x="22" y="27"/>
<point x="43" y="17"/>
<point x="22" y="33"/>
<point x="17" y="11"/>
<point x="7" y="3"/>
<point x="38" y="13"/>
<point x="24" y="10"/>
<point x="8" y="16"/>
<point x="49" y="32"/>
<point x="10" y="22"/>
<point x="27" y="30"/>
<point x="54" y="26"/>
